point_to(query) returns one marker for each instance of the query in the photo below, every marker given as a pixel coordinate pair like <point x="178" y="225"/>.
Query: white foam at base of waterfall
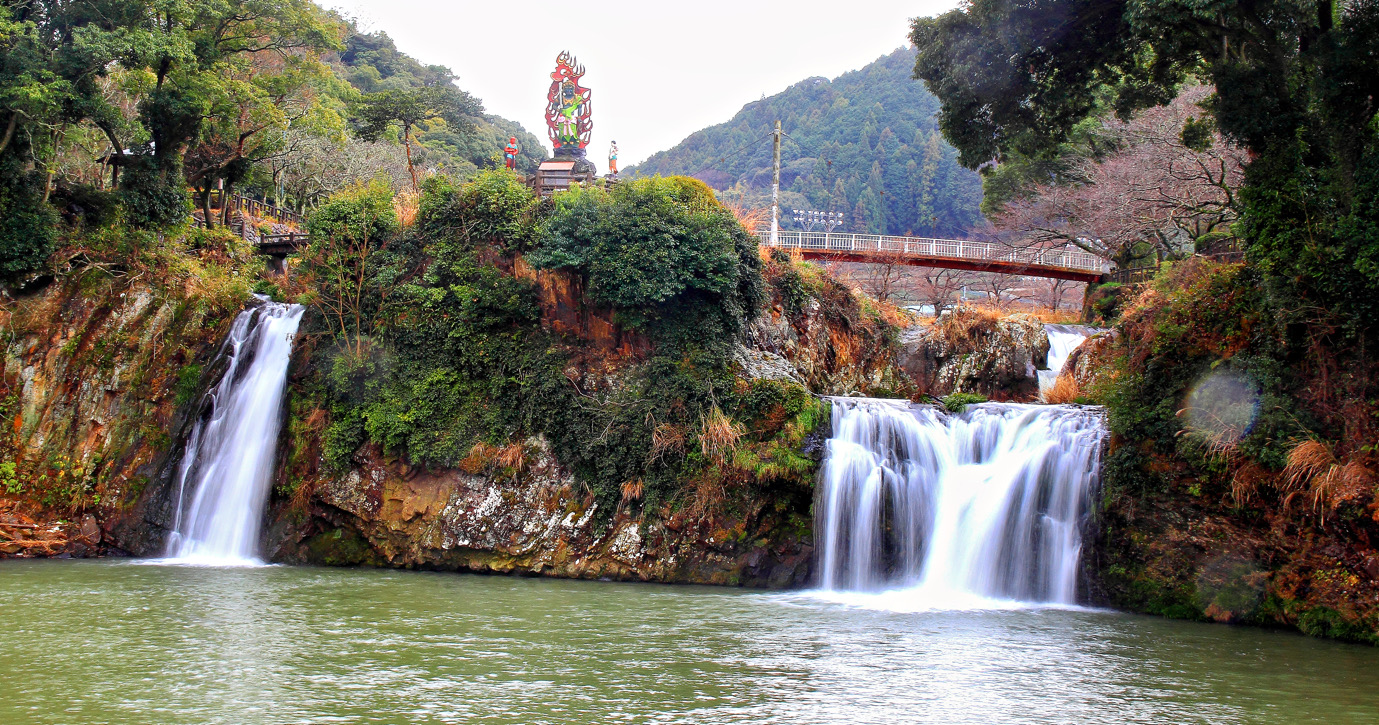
<point x="920" y="510"/>
<point x="227" y="467"/>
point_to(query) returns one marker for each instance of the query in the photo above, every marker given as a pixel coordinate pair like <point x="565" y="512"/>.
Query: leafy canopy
<point x="1297" y="84"/>
<point x="648" y="244"/>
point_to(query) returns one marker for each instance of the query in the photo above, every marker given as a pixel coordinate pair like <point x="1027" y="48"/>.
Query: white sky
<point x="659" y="71"/>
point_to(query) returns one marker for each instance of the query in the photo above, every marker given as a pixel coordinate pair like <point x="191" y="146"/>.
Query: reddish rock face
<point x="566" y="311"/>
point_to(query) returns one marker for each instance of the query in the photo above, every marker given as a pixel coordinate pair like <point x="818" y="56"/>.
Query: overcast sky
<point x="659" y="71"/>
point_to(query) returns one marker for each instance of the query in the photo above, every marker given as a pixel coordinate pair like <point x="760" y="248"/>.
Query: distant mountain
<point x="371" y="62"/>
<point x="866" y="137"/>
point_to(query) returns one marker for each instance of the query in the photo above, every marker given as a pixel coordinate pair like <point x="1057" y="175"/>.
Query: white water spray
<point x="1063" y="339"/>
<point x="228" y="465"/>
<point x="957" y="510"/>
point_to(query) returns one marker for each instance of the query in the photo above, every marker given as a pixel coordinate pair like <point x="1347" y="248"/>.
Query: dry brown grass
<point x="1314" y="473"/>
<point x="1246" y="482"/>
<point x="632" y="491"/>
<point x="405" y="205"/>
<point x="512" y="457"/>
<point x="1307" y="461"/>
<point x="480" y="457"/>
<point x="666" y="438"/>
<point x="484" y="458"/>
<point x="719" y="436"/>
<point x="964" y="327"/>
<point x="1064" y="390"/>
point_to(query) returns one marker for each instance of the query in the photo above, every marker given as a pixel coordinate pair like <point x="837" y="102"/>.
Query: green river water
<point x="127" y="642"/>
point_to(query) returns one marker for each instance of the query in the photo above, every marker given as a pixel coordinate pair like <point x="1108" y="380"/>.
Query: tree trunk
<point x="9" y="131"/>
<point x="225" y="197"/>
<point x="205" y="195"/>
<point x="407" y="144"/>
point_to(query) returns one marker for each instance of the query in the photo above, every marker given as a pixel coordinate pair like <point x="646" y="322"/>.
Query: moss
<point x="341" y="547"/>
<point x="1331" y="624"/>
<point x="188" y="384"/>
<point x="958" y="402"/>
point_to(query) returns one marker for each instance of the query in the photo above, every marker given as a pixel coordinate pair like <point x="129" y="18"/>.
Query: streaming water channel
<point x="126" y="642"/>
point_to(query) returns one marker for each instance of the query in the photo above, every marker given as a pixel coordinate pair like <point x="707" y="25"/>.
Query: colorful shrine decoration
<point x="510" y="153"/>
<point x="613" y="158"/>
<point x="568" y="108"/>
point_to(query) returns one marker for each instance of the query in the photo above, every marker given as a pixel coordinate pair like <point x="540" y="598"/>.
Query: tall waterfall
<point x="1063" y="339"/>
<point x="223" y="482"/>
<point x="983" y="505"/>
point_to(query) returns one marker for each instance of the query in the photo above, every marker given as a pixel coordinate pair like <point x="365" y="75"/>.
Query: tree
<point x="999" y="287"/>
<point x="341" y="263"/>
<point x="310" y="167"/>
<point x="253" y="105"/>
<point x="1163" y="179"/>
<point x="1295" y="84"/>
<point x="658" y="251"/>
<point x="409" y="108"/>
<point x="939" y="288"/>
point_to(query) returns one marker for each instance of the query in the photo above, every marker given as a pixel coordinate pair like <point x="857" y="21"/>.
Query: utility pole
<point x="775" y="187"/>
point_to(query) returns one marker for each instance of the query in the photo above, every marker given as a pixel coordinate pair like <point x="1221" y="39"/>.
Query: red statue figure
<point x="613" y="158"/>
<point x="510" y="153"/>
<point x="568" y="107"/>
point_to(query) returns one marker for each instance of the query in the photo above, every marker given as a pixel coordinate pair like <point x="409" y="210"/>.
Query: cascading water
<point x="1063" y="339"/>
<point x="957" y="509"/>
<point x="228" y="464"/>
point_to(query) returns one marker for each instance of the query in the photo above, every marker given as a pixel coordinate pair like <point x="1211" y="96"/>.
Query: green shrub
<point x="496" y="208"/>
<point x="154" y="192"/>
<point x="360" y="213"/>
<point x="958" y="402"/>
<point x="663" y="253"/>
<point x="28" y="226"/>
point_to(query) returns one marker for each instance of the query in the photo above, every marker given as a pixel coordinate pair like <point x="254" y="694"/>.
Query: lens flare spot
<point x="1222" y="407"/>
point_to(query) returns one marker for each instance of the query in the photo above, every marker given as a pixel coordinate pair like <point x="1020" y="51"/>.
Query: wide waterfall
<point x="1063" y="339"/>
<point x="957" y="509"/>
<point x="226" y="472"/>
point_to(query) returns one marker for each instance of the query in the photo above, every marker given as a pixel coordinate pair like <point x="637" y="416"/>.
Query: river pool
<point x="119" y="641"/>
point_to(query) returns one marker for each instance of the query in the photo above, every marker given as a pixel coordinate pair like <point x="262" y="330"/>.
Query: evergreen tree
<point x="872" y="120"/>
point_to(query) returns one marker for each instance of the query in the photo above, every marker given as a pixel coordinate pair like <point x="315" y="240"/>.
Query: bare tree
<point x="1172" y="179"/>
<point x="313" y="168"/>
<point x="939" y="288"/>
<point x="887" y="277"/>
<point x="1056" y="294"/>
<point x="999" y="287"/>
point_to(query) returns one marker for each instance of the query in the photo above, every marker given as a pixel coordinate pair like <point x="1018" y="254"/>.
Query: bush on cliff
<point x="1261" y="448"/>
<point x="663" y="253"/>
<point x="462" y="367"/>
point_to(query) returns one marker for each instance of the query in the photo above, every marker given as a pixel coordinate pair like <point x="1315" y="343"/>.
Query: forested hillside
<point x="372" y="63"/>
<point x="865" y="142"/>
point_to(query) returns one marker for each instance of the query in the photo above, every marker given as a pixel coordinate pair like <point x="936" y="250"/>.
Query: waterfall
<point x="955" y="509"/>
<point x="228" y="465"/>
<point x="1063" y="339"/>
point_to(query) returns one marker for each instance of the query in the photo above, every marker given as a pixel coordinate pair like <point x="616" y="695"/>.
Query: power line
<point x="733" y="155"/>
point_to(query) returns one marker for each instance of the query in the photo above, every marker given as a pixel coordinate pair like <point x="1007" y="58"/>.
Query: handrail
<point x="239" y="202"/>
<point x="958" y="249"/>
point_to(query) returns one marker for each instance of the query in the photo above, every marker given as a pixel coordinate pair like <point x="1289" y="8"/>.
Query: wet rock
<point x="541" y="523"/>
<point x="971" y="352"/>
<point x="1085" y="362"/>
<point x="90" y="531"/>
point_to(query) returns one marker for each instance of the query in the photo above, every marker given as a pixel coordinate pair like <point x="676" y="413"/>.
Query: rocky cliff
<point x="100" y="372"/>
<point x="976" y="351"/>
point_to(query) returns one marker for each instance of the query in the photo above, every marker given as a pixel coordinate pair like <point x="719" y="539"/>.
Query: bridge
<point x="1070" y="264"/>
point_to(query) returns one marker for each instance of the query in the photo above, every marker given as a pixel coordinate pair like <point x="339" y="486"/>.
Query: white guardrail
<point x="939" y="248"/>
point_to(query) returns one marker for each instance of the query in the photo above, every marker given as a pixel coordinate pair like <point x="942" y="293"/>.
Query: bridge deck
<point x="1072" y="264"/>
